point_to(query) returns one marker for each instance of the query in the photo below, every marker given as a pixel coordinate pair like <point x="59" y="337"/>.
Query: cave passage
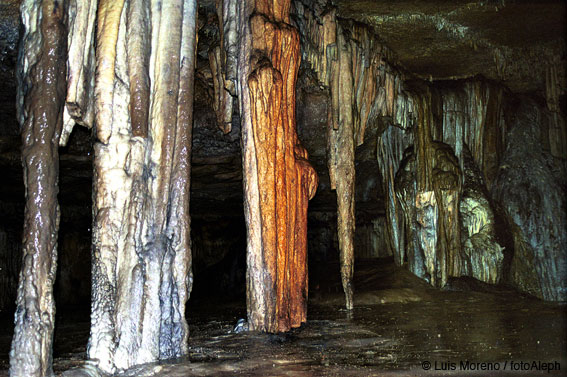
<point x="278" y="186"/>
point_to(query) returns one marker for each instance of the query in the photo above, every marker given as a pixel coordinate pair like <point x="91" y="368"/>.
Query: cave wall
<point x="530" y="187"/>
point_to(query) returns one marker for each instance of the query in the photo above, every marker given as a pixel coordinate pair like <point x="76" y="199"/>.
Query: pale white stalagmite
<point x="40" y="101"/>
<point x="111" y="185"/>
<point x="141" y="245"/>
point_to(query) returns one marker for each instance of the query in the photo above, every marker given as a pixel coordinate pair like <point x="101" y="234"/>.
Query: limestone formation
<point x="141" y="246"/>
<point x="41" y="97"/>
<point x="350" y="61"/>
<point x="483" y="252"/>
<point x="468" y="115"/>
<point x="278" y="180"/>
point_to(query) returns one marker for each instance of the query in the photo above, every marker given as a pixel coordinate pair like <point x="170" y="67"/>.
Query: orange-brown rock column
<point x="278" y="180"/>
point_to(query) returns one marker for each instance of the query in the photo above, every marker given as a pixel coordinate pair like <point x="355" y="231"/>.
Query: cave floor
<point x="398" y="324"/>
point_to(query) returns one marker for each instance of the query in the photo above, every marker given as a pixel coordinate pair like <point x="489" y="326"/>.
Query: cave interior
<point x="282" y="187"/>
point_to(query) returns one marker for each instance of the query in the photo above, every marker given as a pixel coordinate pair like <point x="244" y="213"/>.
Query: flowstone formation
<point x="441" y="219"/>
<point x="136" y="90"/>
<point x="278" y="180"/>
<point x="428" y="187"/>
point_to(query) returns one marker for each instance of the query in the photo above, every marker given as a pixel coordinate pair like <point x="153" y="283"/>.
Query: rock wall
<point x="530" y="186"/>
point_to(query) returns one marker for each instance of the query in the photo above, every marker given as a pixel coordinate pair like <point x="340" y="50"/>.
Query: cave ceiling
<point x="513" y="42"/>
<point x="507" y="41"/>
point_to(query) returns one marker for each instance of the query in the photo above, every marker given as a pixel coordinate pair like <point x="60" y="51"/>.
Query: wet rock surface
<point x="390" y="334"/>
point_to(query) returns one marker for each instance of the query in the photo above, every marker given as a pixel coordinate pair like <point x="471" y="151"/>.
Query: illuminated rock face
<point x="41" y="96"/>
<point x="278" y="180"/>
<point x="442" y="220"/>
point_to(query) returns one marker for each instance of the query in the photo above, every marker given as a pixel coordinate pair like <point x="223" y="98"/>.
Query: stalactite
<point x="350" y="61"/>
<point x="473" y="116"/>
<point x="340" y="146"/>
<point x="278" y="180"/>
<point x="41" y="98"/>
<point x="223" y="62"/>
<point x="222" y="103"/>
<point x="141" y="245"/>
<point x="79" y="104"/>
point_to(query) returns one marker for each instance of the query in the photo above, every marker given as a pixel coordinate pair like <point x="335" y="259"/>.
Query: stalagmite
<point x="41" y="96"/>
<point x="141" y="245"/>
<point x="482" y="254"/>
<point x="278" y="180"/>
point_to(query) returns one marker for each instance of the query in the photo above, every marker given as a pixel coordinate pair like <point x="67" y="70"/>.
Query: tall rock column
<point x="141" y="233"/>
<point x="278" y="180"/>
<point x="41" y="97"/>
<point x="340" y="149"/>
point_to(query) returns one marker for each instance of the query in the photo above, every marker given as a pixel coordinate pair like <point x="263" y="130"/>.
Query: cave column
<point x="278" y="180"/>
<point x="141" y="226"/>
<point x="340" y="150"/>
<point x="41" y="96"/>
